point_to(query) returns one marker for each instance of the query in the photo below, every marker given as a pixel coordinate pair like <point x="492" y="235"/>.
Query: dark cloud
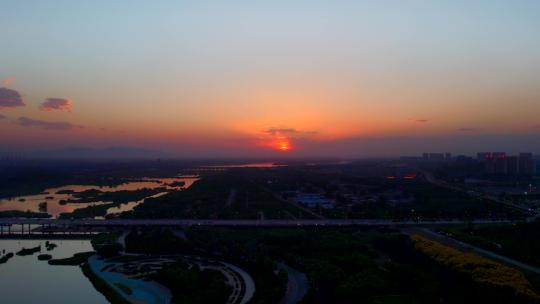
<point x="467" y="129"/>
<point x="46" y="125"/>
<point x="2" y="116"/>
<point x="288" y="132"/>
<point x="274" y="131"/>
<point x="56" y="104"/>
<point x="10" y="98"/>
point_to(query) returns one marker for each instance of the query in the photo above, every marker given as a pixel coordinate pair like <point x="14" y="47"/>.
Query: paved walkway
<point x="143" y="291"/>
<point x="122" y="240"/>
<point x="241" y="282"/>
<point x="249" y="291"/>
<point x="297" y="285"/>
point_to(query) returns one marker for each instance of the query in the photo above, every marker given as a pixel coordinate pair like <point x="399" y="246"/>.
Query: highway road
<point x="236" y="223"/>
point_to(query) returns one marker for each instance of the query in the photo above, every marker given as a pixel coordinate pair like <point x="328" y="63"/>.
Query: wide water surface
<point x="26" y="280"/>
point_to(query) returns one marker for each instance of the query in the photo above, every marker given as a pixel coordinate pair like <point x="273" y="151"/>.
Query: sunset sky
<point x="270" y="78"/>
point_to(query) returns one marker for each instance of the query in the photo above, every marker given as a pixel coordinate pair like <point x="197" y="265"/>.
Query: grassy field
<point x="219" y="196"/>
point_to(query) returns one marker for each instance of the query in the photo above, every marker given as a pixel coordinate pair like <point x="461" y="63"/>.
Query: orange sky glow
<point x="279" y="78"/>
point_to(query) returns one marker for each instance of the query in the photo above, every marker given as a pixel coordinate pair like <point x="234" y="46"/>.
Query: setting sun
<point x="284" y="146"/>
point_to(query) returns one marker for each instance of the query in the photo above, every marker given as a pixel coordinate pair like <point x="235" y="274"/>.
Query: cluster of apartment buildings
<point x="500" y="163"/>
<point x="436" y="157"/>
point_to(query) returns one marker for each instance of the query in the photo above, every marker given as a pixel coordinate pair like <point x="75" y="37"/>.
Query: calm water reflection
<point x="53" y="198"/>
<point x="25" y="280"/>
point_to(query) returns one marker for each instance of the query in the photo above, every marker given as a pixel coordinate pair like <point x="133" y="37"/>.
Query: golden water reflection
<point x="53" y="198"/>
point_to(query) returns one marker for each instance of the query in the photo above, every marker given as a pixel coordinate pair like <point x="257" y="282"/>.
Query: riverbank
<point x="141" y="291"/>
<point x="102" y="286"/>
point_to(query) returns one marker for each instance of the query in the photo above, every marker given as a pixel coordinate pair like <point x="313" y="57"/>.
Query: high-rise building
<point x="487" y="160"/>
<point x="483" y="156"/>
<point x="526" y="163"/>
<point x="512" y="165"/>
<point x="499" y="155"/>
<point x="501" y="164"/>
<point x="436" y="157"/>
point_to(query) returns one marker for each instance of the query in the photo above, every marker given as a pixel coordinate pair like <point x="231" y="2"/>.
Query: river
<point x="26" y="280"/>
<point x="54" y="196"/>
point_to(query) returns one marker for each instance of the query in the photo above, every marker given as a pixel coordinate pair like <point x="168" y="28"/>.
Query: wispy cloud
<point x="10" y="98"/>
<point x="467" y="129"/>
<point x="46" y="125"/>
<point x="56" y="104"/>
<point x="419" y="120"/>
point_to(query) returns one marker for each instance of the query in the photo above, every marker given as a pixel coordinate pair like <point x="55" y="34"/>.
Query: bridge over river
<point x="87" y="225"/>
